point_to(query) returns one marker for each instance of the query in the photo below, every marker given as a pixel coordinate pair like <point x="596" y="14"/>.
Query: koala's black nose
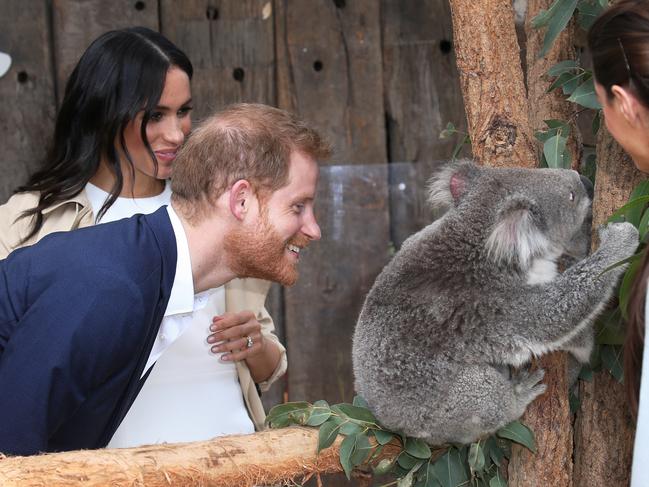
<point x="588" y="185"/>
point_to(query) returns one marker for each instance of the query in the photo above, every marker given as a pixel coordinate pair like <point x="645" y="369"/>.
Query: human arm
<point x="65" y="346"/>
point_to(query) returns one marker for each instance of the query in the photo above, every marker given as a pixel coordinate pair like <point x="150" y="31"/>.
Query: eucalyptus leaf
<point x="383" y="437"/>
<point x="559" y="14"/>
<point x="450" y="469"/>
<point x="426" y="477"/>
<point x="289" y="413"/>
<point x="589" y="10"/>
<point x="327" y="435"/>
<point x="554" y="150"/>
<point x="360" y="402"/>
<point x="346" y="451"/>
<point x="355" y="412"/>
<point x="458" y="147"/>
<point x="643" y="226"/>
<point x="476" y="458"/>
<point x="417" y="448"/>
<point x="408" y="480"/>
<point x="585" y="95"/>
<point x="362" y="449"/>
<point x="612" y="361"/>
<point x="519" y="433"/>
<point x="562" y="67"/>
<point x="634" y="215"/>
<point x="350" y="428"/>
<point x="319" y="414"/>
<point x="608" y="329"/>
<point x="407" y="461"/>
<point x="495" y="452"/>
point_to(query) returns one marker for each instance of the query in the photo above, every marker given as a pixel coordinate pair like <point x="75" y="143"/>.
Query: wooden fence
<point x="378" y="77"/>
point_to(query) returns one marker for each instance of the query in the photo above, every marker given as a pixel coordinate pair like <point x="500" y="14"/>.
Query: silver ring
<point x="249" y="342"/>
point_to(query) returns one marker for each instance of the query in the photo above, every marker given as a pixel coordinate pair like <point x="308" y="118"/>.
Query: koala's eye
<point x="572" y="196"/>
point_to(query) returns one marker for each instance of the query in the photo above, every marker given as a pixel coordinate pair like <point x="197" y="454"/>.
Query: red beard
<point x="261" y="253"/>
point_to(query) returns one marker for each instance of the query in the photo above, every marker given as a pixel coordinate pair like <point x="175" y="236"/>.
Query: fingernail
<point x="225" y="357"/>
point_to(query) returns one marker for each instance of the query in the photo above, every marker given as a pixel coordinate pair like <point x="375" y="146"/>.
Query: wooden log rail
<point x="264" y="458"/>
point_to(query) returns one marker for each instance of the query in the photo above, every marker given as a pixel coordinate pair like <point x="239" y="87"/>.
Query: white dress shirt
<point x="190" y="394"/>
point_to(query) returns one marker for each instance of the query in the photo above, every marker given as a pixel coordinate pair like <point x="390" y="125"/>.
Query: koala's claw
<point x="527" y="387"/>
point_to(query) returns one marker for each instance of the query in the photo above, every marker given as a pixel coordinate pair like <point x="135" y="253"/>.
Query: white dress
<point x="640" y="468"/>
<point x="190" y="395"/>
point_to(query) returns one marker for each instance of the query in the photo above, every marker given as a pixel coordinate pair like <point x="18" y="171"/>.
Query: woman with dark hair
<point x="124" y="115"/>
<point x="619" y="45"/>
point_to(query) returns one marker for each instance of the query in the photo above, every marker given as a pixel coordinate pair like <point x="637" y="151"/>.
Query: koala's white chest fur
<point x="541" y="271"/>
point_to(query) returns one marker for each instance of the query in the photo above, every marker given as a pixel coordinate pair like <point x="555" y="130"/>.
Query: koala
<point x="476" y="294"/>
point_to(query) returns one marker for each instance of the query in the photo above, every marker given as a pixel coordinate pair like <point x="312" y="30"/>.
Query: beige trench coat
<point x="240" y="294"/>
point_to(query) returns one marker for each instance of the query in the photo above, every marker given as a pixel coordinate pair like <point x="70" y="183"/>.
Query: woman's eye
<point x="156" y="116"/>
<point x="572" y="196"/>
<point x="184" y="111"/>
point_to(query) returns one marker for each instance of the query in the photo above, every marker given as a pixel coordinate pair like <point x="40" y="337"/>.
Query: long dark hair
<point x="619" y="45"/>
<point x="121" y="73"/>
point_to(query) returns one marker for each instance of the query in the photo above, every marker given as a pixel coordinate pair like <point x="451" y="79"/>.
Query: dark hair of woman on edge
<point x="619" y="45"/>
<point x="115" y="129"/>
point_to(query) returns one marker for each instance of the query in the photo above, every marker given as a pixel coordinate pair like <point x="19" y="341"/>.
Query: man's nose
<point x="311" y="228"/>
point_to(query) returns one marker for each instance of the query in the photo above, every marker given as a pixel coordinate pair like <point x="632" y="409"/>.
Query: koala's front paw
<point x="527" y="387"/>
<point x="618" y="241"/>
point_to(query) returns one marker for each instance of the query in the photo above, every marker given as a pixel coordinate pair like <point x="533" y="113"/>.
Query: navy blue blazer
<point x="79" y="312"/>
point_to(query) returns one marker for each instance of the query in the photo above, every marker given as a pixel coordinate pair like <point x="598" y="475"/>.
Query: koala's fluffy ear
<point x="447" y="187"/>
<point x="515" y="236"/>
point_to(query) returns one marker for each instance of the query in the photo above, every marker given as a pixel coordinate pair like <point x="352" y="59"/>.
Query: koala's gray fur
<point x="478" y="291"/>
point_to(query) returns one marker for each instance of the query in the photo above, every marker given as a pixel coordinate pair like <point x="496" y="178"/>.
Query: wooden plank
<point x="27" y="91"/>
<point x="329" y="71"/>
<point x="76" y="23"/>
<point x="422" y="87"/>
<point x="230" y="44"/>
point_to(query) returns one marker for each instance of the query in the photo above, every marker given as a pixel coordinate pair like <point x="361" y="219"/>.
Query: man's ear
<point x="241" y="197"/>
<point x="627" y="103"/>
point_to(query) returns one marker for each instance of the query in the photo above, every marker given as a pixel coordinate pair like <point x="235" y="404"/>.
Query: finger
<point x="246" y="329"/>
<point x="229" y="319"/>
<point x="239" y="344"/>
<point x="241" y="354"/>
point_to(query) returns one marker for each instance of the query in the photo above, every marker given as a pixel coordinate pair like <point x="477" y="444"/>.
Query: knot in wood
<point x="500" y="135"/>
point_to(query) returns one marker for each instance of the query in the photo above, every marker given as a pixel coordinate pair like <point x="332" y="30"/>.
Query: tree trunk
<point x="604" y="431"/>
<point x="549" y="416"/>
<point x="265" y="458"/>
<point x="492" y="82"/>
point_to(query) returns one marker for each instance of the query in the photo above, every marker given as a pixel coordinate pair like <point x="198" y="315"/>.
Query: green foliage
<point x="477" y="464"/>
<point x="554" y="138"/>
<point x="556" y="19"/>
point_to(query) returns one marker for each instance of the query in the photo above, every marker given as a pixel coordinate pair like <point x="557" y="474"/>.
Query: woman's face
<point x="628" y="122"/>
<point x="166" y="130"/>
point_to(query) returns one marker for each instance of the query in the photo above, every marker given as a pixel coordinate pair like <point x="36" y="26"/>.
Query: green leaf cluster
<point x="556" y="18"/>
<point x="478" y="464"/>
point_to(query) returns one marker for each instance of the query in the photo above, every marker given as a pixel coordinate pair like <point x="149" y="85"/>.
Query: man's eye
<point x="298" y="208"/>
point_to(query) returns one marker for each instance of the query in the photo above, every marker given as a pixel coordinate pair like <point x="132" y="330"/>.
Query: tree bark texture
<point x="264" y="458"/>
<point x="604" y="430"/>
<point x="554" y="105"/>
<point x="549" y="415"/>
<point x="492" y="82"/>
